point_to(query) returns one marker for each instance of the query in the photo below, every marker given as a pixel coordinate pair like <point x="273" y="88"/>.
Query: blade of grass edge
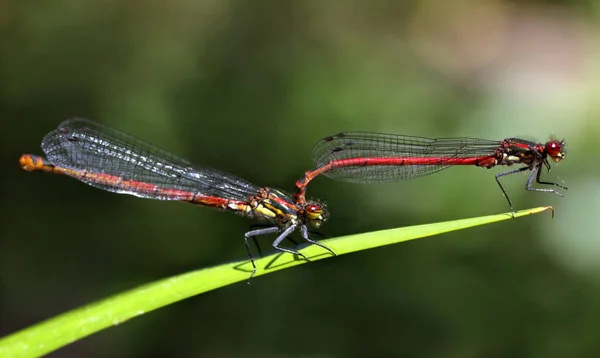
<point x="71" y="326"/>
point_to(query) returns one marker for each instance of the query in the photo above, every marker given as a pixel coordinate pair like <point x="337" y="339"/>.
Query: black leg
<point x="317" y="233"/>
<point x="282" y="237"/>
<point x="255" y="240"/>
<point x="292" y="241"/>
<point x="536" y="173"/>
<point x="256" y="244"/>
<point x="306" y="237"/>
<point x="499" y="175"/>
<point x="547" y="165"/>
<point x="253" y="234"/>
<point x="538" y="180"/>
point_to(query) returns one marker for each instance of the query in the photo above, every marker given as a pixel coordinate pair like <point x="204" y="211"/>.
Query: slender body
<point x="373" y="157"/>
<point x="117" y="162"/>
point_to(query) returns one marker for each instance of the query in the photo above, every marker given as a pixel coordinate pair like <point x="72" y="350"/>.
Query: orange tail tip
<point x="35" y="163"/>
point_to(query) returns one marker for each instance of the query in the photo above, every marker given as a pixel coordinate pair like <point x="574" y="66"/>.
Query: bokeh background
<point x="249" y="87"/>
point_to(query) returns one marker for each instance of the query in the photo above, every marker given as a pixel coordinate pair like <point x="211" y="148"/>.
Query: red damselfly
<point x="374" y="157"/>
<point x="117" y="162"/>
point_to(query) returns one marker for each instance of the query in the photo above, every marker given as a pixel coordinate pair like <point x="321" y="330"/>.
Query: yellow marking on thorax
<point x="265" y="208"/>
<point x="266" y="211"/>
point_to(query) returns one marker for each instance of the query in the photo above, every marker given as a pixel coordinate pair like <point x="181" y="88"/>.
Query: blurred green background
<point x="249" y="87"/>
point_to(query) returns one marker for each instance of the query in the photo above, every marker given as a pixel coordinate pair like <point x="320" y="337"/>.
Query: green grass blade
<point x="69" y="327"/>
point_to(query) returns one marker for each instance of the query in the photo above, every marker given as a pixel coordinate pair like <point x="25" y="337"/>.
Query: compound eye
<point x="555" y="150"/>
<point x="314" y="211"/>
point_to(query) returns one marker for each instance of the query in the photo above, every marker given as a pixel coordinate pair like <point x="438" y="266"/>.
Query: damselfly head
<point x="556" y="150"/>
<point x="316" y="213"/>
